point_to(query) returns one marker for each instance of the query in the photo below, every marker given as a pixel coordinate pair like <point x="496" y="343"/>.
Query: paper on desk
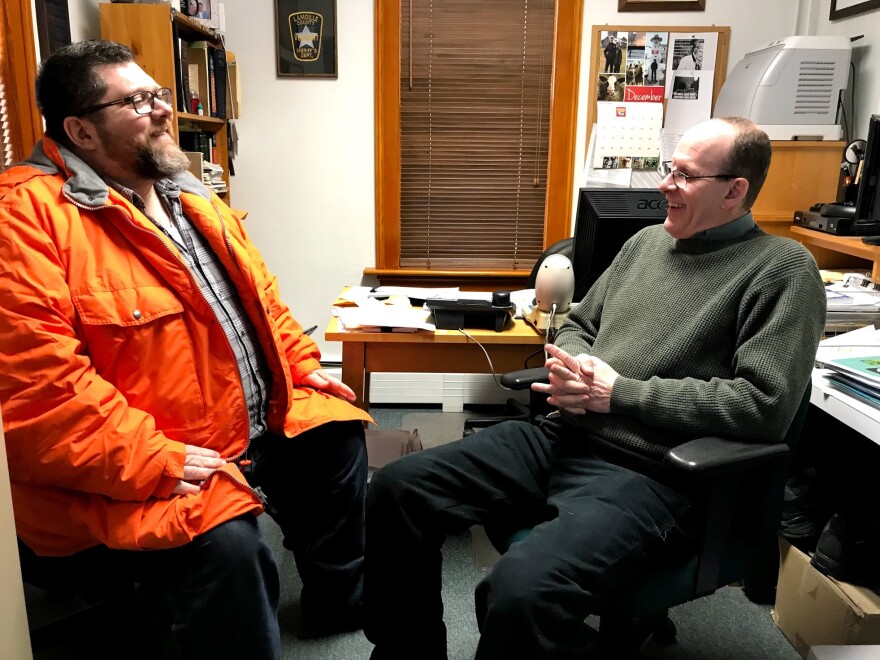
<point x="353" y="295"/>
<point x="378" y="317"/>
<point x="843" y="297"/>
<point x="863" y="342"/>
<point x="418" y="293"/>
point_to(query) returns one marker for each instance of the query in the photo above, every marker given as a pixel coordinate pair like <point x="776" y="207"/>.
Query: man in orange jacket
<point x="156" y="393"/>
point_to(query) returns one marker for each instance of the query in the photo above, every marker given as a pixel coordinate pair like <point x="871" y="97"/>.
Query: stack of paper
<point x="853" y="361"/>
<point x="383" y="318"/>
<point x="212" y="176"/>
<point x="852" y="302"/>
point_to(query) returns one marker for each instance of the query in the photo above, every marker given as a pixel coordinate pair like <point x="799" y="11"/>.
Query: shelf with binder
<point x="162" y="40"/>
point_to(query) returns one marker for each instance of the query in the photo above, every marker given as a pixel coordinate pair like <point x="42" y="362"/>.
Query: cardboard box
<point x="384" y="446"/>
<point x="813" y="609"/>
<point x="852" y="652"/>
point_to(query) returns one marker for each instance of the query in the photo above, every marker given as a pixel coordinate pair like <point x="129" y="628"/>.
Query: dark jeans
<point x="598" y="524"/>
<point x="315" y="486"/>
<point x="217" y="596"/>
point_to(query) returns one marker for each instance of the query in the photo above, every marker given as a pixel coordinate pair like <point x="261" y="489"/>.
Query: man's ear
<point x="81" y="133"/>
<point x="736" y="194"/>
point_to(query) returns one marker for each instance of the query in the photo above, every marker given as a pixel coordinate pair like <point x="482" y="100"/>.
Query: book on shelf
<point x="179" y="69"/>
<point x="182" y="73"/>
<point x="198" y="55"/>
<point x="219" y="82"/>
<point x="233" y="87"/>
<point x="212" y="83"/>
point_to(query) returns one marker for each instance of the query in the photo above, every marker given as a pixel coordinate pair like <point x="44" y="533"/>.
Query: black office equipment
<point x="840" y="226"/>
<point x="606" y="219"/>
<point x="452" y="314"/>
<point x="868" y="201"/>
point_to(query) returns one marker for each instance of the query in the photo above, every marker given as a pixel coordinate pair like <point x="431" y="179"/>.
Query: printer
<point x="790" y="87"/>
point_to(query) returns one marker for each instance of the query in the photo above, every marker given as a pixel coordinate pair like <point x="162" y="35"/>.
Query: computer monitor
<point x="868" y="200"/>
<point x="606" y="219"/>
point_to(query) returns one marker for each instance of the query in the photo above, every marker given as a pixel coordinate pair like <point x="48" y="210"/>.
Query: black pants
<point x="598" y="525"/>
<point x="217" y="596"/>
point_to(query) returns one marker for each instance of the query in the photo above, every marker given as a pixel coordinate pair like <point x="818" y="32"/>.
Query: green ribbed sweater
<point x="710" y="337"/>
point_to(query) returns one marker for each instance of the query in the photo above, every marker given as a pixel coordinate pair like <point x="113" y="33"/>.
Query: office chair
<point x="516" y="410"/>
<point x="737" y="488"/>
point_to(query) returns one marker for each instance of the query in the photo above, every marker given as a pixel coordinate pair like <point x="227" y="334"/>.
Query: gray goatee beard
<point x="160" y="161"/>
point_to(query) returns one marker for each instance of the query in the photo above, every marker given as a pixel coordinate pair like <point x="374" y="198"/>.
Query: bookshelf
<point x="152" y="31"/>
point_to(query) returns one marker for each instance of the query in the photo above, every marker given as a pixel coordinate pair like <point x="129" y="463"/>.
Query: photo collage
<point x="632" y="69"/>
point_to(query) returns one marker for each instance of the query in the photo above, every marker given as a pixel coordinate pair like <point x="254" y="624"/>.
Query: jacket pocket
<point x="126" y="307"/>
<point x="139" y="339"/>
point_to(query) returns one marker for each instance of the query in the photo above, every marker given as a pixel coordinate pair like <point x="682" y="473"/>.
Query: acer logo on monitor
<point x="606" y="219"/>
<point x="659" y="204"/>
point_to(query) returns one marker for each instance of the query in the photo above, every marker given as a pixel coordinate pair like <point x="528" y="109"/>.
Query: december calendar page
<point x="628" y="135"/>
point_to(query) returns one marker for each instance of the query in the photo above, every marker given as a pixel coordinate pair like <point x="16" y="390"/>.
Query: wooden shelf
<point x="851" y="245"/>
<point x="201" y="120"/>
<point x="147" y="30"/>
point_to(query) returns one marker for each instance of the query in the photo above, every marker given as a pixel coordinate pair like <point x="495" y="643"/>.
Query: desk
<point x="441" y="351"/>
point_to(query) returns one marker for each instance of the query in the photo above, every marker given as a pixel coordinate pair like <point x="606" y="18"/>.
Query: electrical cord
<point x="549" y="337"/>
<point x="488" y="359"/>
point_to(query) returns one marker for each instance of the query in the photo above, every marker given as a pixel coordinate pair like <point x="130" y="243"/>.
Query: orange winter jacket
<point x="111" y="359"/>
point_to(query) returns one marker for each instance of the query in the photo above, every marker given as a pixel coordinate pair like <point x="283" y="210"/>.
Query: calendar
<point x="628" y="135"/>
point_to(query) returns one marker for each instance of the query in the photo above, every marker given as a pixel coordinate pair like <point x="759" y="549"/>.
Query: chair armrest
<point x="523" y="379"/>
<point x="713" y="456"/>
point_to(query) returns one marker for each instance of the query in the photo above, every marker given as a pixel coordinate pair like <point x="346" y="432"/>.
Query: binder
<point x="177" y="47"/>
<point x="212" y="82"/>
<point x="220" y="80"/>
<point x="183" y="78"/>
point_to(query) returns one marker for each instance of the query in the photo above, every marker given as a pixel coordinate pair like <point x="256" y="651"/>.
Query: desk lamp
<point x="554" y="288"/>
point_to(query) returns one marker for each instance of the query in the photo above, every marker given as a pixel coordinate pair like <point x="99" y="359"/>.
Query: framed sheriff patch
<point x="305" y="38"/>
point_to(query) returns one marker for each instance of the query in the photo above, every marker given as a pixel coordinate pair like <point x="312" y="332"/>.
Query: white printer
<point x="790" y="87"/>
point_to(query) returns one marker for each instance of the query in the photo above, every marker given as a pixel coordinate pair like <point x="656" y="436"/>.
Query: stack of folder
<point x="853" y="363"/>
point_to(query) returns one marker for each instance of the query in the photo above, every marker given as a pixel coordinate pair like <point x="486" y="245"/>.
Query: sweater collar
<point x="728" y="231"/>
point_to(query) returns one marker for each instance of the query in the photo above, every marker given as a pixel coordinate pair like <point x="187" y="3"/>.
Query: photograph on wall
<point x="610" y="88"/>
<point x="687" y="55"/>
<point x="655" y="58"/>
<point x="692" y="53"/>
<point x="305" y="38"/>
<point x="686" y="87"/>
<point x="612" y="52"/>
<point x="635" y="59"/>
<point x="644" y="68"/>
<point x="205" y="12"/>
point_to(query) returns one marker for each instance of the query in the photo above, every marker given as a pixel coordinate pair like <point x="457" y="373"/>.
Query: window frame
<point x="568" y="24"/>
<point x="26" y="125"/>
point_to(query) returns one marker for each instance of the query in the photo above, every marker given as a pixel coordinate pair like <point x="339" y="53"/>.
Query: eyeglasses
<point x="680" y="179"/>
<point x="142" y="102"/>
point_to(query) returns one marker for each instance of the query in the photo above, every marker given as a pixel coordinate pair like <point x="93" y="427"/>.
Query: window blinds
<point x="475" y="117"/>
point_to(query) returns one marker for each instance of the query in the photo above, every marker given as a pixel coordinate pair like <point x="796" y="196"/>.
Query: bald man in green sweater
<point x="705" y="325"/>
